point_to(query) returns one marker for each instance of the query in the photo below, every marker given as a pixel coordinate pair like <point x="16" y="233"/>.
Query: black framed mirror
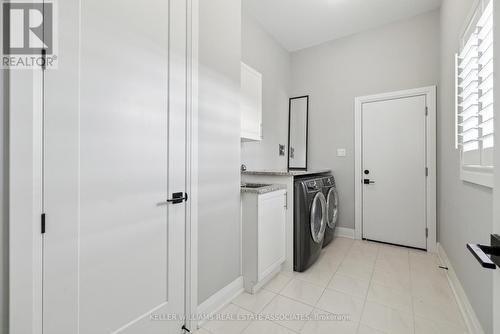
<point x="298" y="130"/>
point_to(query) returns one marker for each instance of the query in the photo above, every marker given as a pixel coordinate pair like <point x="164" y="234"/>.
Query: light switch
<point x="341" y="152"/>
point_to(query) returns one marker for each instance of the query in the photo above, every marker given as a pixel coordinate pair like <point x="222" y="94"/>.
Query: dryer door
<point x="332" y="204"/>
<point x="318" y="218"/>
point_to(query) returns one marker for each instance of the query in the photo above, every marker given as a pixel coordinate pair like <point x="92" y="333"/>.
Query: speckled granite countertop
<point x="262" y="190"/>
<point x="287" y="173"/>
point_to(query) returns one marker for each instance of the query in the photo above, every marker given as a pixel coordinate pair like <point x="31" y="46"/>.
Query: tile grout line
<point x="394" y="308"/>
<point x="448" y="322"/>
<point x="263" y="308"/>
<point x="314" y="307"/>
<point x="411" y="296"/>
<point x="255" y="313"/>
<point x="343" y="259"/>
<point x="276" y="294"/>
<point x="409" y="266"/>
<point x="280" y="295"/>
<point x="329" y="282"/>
<point x="367" y="292"/>
<point x="369" y="283"/>
<point x="280" y="290"/>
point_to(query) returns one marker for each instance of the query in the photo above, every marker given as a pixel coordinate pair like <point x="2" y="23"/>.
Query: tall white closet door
<point x="115" y="151"/>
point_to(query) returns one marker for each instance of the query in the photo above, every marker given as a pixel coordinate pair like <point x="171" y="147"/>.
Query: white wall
<point x="398" y="56"/>
<point x="464" y="210"/>
<point x="262" y="52"/>
<point x="219" y="145"/>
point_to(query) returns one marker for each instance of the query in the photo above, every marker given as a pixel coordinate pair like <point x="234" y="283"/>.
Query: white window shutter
<point x="475" y="108"/>
<point x="486" y="107"/>
<point x="468" y="97"/>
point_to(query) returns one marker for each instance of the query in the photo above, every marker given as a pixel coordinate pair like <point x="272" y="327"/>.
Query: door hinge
<point x="426" y="171"/>
<point x="42" y="223"/>
<point x="426" y="111"/>
<point x="426" y="232"/>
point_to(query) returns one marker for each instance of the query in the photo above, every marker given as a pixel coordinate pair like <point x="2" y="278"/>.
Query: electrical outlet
<point x="341" y="152"/>
<point x="282" y="150"/>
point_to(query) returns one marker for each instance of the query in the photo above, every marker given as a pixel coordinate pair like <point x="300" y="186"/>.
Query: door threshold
<point x="391" y="244"/>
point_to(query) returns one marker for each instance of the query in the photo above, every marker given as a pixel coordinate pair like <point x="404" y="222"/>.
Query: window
<point x="475" y="109"/>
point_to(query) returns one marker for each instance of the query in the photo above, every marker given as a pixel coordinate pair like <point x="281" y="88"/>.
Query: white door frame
<point x="496" y="189"/>
<point x="430" y="93"/>
<point x="25" y="161"/>
<point x="191" y="301"/>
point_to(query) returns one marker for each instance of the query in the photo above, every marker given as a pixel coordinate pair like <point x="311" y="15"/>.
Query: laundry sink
<point x="254" y="185"/>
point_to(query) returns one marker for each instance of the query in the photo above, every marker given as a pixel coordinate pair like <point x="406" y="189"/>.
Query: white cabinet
<point x="264" y="221"/>
<point x="251" y="104"/>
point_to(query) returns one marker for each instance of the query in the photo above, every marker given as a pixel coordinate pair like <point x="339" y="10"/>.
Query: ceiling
<point x="298" y="24"/>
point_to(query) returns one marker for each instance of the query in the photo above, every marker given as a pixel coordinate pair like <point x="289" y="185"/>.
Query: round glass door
<point x="332" y="204"/>
<point x="318" y="218"/>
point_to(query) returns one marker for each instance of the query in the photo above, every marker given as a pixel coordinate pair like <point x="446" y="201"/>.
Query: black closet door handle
<point x="178" y="198"/>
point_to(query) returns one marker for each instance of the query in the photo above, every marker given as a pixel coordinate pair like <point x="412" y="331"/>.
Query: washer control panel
<point x="313" y="185"/>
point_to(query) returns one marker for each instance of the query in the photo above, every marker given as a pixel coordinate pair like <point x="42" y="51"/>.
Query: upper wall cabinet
<point x="251" y="104"/>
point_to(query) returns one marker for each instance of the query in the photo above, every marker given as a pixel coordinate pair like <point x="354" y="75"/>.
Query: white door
<point x="115" y="119"/>
<point x="394" y="162"/>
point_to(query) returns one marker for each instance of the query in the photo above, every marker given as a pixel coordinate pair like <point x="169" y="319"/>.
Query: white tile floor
<point x="383" y="289"/>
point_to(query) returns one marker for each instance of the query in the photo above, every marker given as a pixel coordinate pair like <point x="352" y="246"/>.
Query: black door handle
<point x="481" y="253"/>
<point x="368" y="181"/>
<point x="178" y="198"/>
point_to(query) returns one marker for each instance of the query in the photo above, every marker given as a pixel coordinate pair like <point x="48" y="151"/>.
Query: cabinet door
<point x="272" y="218"/>
<point x="251" y="103"/>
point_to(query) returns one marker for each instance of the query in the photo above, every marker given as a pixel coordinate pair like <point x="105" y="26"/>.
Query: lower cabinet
<point x="263" y="223"/>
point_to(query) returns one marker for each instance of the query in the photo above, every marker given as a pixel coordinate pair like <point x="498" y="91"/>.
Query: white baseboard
<point x="344" y="232"/>
<point x="471" y="320"/>
<point x="221" y="298"/>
